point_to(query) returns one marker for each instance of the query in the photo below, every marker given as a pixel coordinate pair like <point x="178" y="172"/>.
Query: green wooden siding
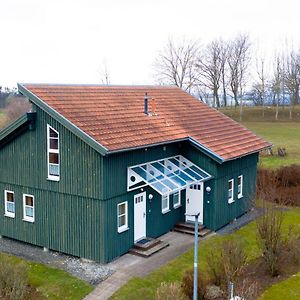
<point x="157" y="223"/>
<point x="24" y="161"/>
<point x="66" y="223"/>
<point x="78" y="214"/>
<point x="69" y="215"/>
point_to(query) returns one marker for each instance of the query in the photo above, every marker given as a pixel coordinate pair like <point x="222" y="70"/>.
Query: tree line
<point x="224" y="69"/>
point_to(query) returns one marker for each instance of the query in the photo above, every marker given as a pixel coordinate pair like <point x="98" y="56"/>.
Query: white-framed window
<point x="165" y="204"/>
<point x="28" y="208"/>
<point x="240" y="186"/>
<point x="122" y="216"/>
<point x="230" y="190"/>
<point x="176" y="199"/>
<point x="53" y="153"/>
<point x="9" y="203"/>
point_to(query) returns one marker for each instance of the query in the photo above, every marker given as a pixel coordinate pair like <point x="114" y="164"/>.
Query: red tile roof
<point x="114" y="117"/>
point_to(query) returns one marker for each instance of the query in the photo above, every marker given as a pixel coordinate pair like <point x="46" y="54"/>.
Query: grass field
<point x="53" y="283"/>
<point x="287" y="289"/>
<point x="145" y="288"/>
<point x="286" y="135"/>
<point x="283" y="133"/>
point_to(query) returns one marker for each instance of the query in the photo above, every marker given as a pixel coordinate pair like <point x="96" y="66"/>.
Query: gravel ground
<point x="241" y="221"/>
<point x="89" y="271"/>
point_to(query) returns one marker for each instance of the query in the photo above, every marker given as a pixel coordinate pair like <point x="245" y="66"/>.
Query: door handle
<point x="188" y="200"/>
<point x="144" y="215"/>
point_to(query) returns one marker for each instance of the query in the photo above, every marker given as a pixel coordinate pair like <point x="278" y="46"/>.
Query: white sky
<point x="68" y="41"/>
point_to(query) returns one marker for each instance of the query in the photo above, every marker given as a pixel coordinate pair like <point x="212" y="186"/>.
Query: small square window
<point x="122" y="212"/>
<point x="230" y="190"/>
<point x="165" y="204"/>
<point x="28" y="208"/>
<point x="9" y="204"/>
<point x="176" y="199"/>
<point x="240" y="186"/>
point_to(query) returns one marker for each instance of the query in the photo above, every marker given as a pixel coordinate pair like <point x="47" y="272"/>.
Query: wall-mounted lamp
<point x="208" y="189"/>
<point x="150" y="196"/>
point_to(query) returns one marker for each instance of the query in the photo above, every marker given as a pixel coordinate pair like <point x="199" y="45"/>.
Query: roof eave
<point x="64" y="121"/>
<point x="16" y="127"/>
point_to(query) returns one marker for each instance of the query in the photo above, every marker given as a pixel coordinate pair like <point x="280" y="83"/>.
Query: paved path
<point x="128" y="266"/>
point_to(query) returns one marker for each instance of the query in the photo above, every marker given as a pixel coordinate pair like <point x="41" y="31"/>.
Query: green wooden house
<point x="91" y="170"/>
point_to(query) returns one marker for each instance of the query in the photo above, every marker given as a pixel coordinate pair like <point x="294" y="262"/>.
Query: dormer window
<point x="53" y="153"/>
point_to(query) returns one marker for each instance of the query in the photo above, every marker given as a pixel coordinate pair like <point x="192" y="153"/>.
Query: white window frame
<point x="176" y="205"/>
<point x="56" y="151"/>
<point x="8" y="213"/>
<point x="166" y="209"/>
<point x="240" y="195"/>
<point x="231" y="199"/>
<point x="27" y="218"/>
<point x="125" y="226"/>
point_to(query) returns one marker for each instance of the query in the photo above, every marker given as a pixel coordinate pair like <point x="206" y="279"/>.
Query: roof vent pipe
<point x="146" y="104"/>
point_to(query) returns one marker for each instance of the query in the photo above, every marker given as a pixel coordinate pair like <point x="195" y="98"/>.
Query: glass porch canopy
<point x="166" y="176"/>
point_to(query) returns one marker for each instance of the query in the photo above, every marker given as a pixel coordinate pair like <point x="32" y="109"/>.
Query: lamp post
<point x="195" y="292"/>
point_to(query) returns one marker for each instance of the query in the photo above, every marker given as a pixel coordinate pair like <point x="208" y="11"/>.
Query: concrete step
<point x="204" y="232"/>
<point x="145" y="246"/>
<point x="186" y="231"/>
<point x="146" y="253"/>
<point x="189" y="226"/>
<point x="189" y="229"/>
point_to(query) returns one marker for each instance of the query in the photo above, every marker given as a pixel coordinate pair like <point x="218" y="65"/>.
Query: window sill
<point x="177" y="206"/>
<point x="53" y="178"/>
<point x="9" y="215"/>
<point x="28" y="220"/>
<point x="240" y="196"/>
<point x="231" y="201"/>
<point x="122" y="229"/>
<point x="165" y="211"/>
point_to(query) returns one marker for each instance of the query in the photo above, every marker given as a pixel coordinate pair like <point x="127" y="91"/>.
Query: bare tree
<point x="292" y="77"/>
<point x="262" y="81"/>
<point x="224" y="69"/>
<point x="238" y="62"/>
<point x="105" y="76"/>
<point x="209" y="67"/>
<point x="276" y="82"/>
<point x="175" y="65"/>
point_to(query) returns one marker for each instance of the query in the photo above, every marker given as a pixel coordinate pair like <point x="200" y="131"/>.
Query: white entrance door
<point x="139" y="216"/>
<point x="194" y="202"/>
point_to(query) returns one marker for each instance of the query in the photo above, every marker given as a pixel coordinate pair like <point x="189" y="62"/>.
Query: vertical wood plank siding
<point x="24" y="161"/>
<point x="78" y="214"/>
<point x="68" y="214"/>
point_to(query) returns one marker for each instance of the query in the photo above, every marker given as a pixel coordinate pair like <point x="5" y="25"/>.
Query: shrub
<point x="269" y="238"/>
<point x="13" y="280"/>
<point x="247" y="289"/>
<point x="188" y="285"/>
<point x="281" y="186"/>
<point x="226" y="263"/>
<point x="170" y="291"/>
<point x="215" y="267"/>
<point x="234" y="259"/>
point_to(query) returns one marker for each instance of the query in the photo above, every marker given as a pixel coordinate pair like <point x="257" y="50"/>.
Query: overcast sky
<point x="69" y="41"/>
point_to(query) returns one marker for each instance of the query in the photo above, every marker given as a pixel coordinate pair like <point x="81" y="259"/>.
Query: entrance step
<point x="146" y="252"/>
<point x="189" y="228"/>
<point x="146" y="243"/>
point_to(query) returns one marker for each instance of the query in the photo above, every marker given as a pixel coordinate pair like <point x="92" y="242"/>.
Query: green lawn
<point x="285" y="135"/>
<point x="53" y="283"/>
<point x="145" y="288"/>
<point x="287" y="289"/>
